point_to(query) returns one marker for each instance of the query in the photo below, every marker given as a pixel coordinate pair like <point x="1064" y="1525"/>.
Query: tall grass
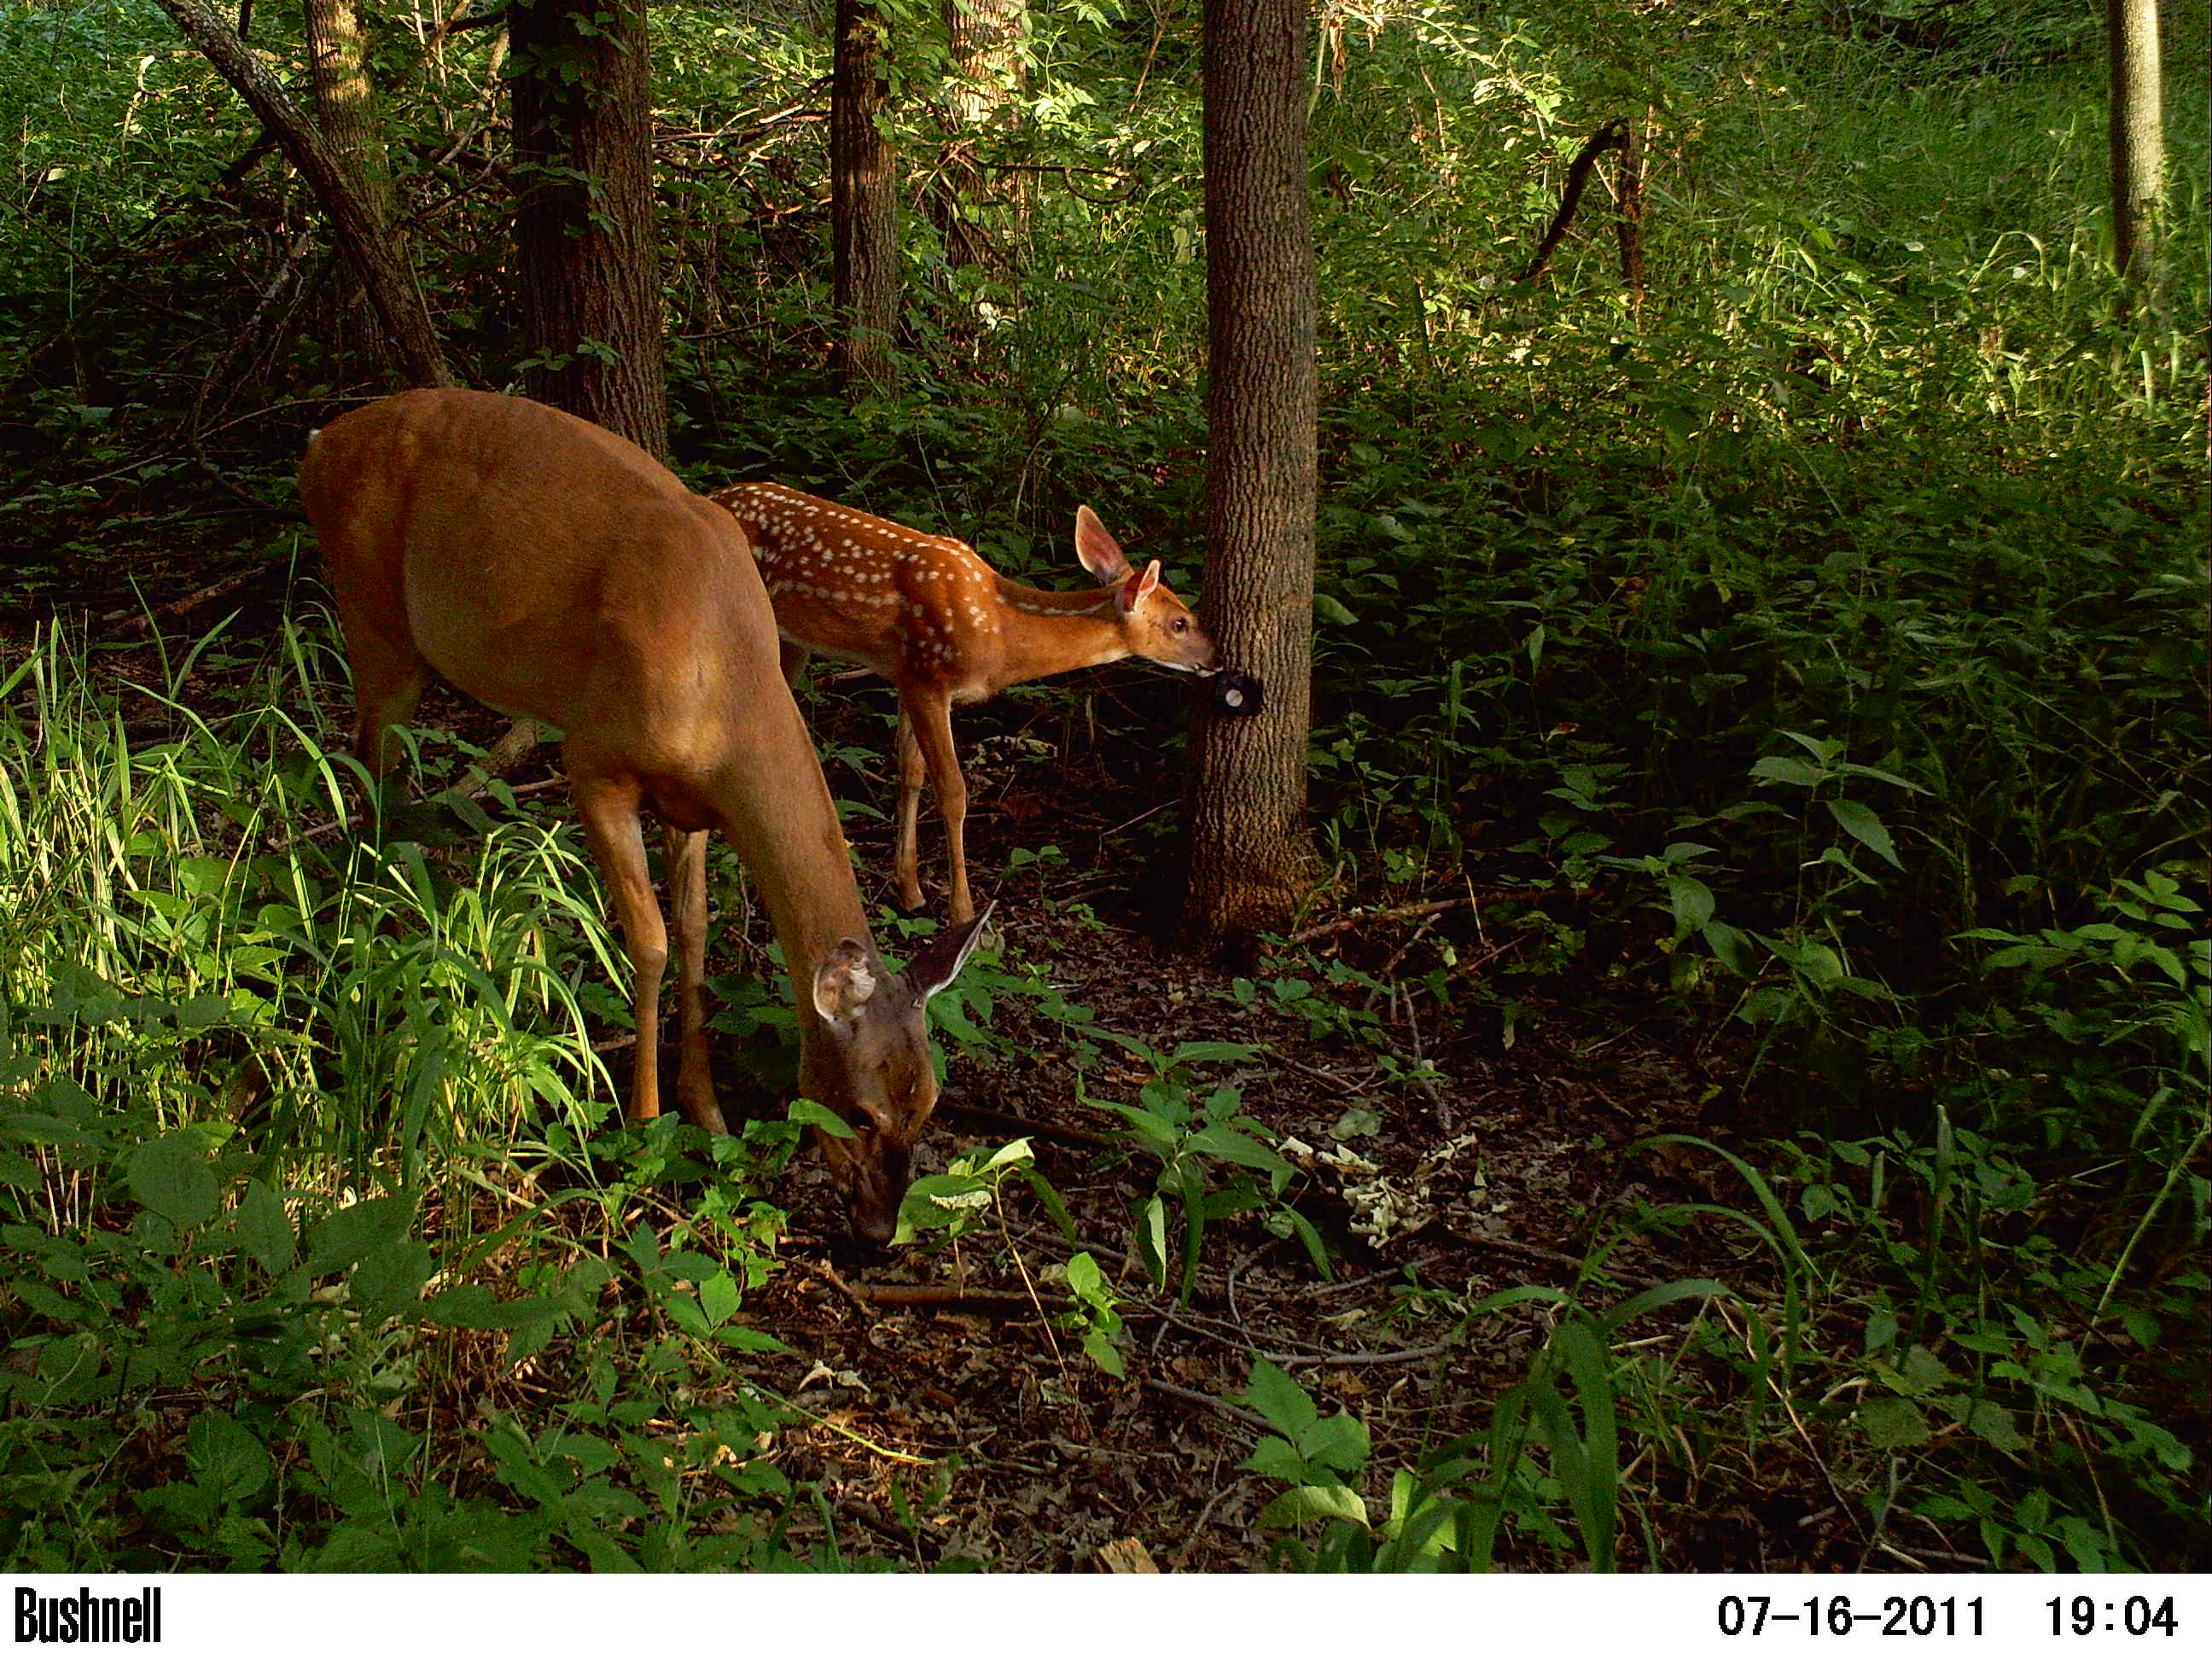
<point x="352" y="988"/>
<point x="283" y="1110"/>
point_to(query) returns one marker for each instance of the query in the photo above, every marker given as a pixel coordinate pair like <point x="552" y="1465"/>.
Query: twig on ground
<point x="1014" y="1123"/>
<point x="1221" y="1406"/>
<point x="1137" y="820"/>
<point x="1356" y="1085"/>
<point x="1342" y="1284"/>
<point x="1400" y="1357"/>
<point x="950" y="1296"/>
<point x="1198" y="1527"/>
<point x="128" y="622"/>
<point x="1353" y="919"/>
<point x="1236" y="1335"/>
<point x="837" y="1279"/>
<point x="1534" y="1252"/>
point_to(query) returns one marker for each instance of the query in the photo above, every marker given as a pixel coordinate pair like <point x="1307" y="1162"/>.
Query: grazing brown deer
<point x="557" y="572"/>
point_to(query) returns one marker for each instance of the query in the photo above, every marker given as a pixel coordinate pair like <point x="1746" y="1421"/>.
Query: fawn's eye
<point x="1183" y="624"/>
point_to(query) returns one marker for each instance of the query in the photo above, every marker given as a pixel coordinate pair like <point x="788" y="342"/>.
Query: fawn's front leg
<point x="928" y="722"/>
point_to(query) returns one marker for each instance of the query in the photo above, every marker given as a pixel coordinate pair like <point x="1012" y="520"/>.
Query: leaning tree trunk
<point x="985" y="37"/>
<point x="584" y="234"/>
<point x="1251" y="858"/>
<point x="365" y="238"/>
<point x="2138" y="140"/>
<point x="863" y="208"/>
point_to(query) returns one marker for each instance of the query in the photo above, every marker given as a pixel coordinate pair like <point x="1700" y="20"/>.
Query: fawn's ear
<point x="1133" y="590"/>
<point x="939" y="961"/>
<point x="1100" y="554"/>
<point x="844" y="983"/>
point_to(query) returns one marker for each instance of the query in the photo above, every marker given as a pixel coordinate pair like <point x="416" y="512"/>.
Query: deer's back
<point x="540" y="563"/>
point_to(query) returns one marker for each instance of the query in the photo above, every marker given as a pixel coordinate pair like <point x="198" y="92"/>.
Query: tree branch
<point x="385" y="274"/>
<point x="1614" y="135"/>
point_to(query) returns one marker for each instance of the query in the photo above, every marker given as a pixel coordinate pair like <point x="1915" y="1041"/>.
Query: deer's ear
<point x="1133" y="590"/>
<point x="941" y="960"/>
<point x="1100" y="554"/>
<point x="844" y="983"/>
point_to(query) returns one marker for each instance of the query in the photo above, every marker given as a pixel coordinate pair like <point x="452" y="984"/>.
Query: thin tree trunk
<point x="863" y="206"/>
<point x="2138" y="139"/>
<point x="1611" y="135"/>
<point x="985" y="37"/>
<point x="345" y="102"/>
<point x="366" y="242"/>
<point x="345" y="109"/>
<point x="1630" y="224"/>
<point x="1251" y="857"/>
<point x="587" y="252"/>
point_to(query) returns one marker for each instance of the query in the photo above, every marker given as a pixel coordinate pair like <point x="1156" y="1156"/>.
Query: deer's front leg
<point x="930" y="719"/>
<point x="608" y="806"/>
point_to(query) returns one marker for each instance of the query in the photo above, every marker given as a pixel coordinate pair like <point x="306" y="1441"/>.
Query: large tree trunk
<point x="362" y="236"/>
<point x="584" y="232"/>
<point x="863" y="208"/>
<point x="2138" y="138"/>
<point x="1251" y="858"/>
<point x="985" y="37"/>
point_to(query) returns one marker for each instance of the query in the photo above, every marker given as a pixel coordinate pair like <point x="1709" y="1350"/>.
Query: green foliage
<point x="1095" y="1317"/>
<point x="1551" y="1453"/>
<point x="1209" y="1156"/>
<point x="958" y="1200"/>
<point x="213" y="1275"/>
<point x="1807" y="651"/>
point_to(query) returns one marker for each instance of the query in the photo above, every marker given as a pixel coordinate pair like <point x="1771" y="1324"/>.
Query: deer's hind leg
<point x="686" y="858"/>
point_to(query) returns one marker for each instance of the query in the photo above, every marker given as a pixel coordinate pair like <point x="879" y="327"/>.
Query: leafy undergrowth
<point x="1417" y="1245"/>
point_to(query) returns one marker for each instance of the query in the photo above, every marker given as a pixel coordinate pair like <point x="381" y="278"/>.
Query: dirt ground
<point x="1502" y="1171"/>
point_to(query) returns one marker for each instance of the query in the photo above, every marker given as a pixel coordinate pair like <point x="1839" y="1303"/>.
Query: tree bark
<point x="2138" y="139"/>
<point x="345" y="103"/>
<point x="345" y="110"/>
<point x="366" y="241"/>
<point x="1251" y="857"/>
<point x="863" y="204"/>
<point x="586" y="249"/>
<point x="1630" y="224"/>
<point x="985" y="37"/>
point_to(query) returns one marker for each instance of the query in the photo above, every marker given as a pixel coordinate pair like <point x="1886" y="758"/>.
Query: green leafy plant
<point x="1552" y="1446"/>
<point x="1194" y="1140"/>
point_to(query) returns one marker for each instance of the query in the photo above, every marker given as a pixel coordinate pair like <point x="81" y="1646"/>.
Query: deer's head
<point x="1158" y="626"/>
<point x="867" y="1061"/>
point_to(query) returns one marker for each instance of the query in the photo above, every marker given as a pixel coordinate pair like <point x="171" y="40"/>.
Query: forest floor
<point x="1508" y="1166"/>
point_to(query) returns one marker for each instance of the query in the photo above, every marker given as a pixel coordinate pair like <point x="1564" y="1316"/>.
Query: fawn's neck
<point x="1049" y="632"/>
